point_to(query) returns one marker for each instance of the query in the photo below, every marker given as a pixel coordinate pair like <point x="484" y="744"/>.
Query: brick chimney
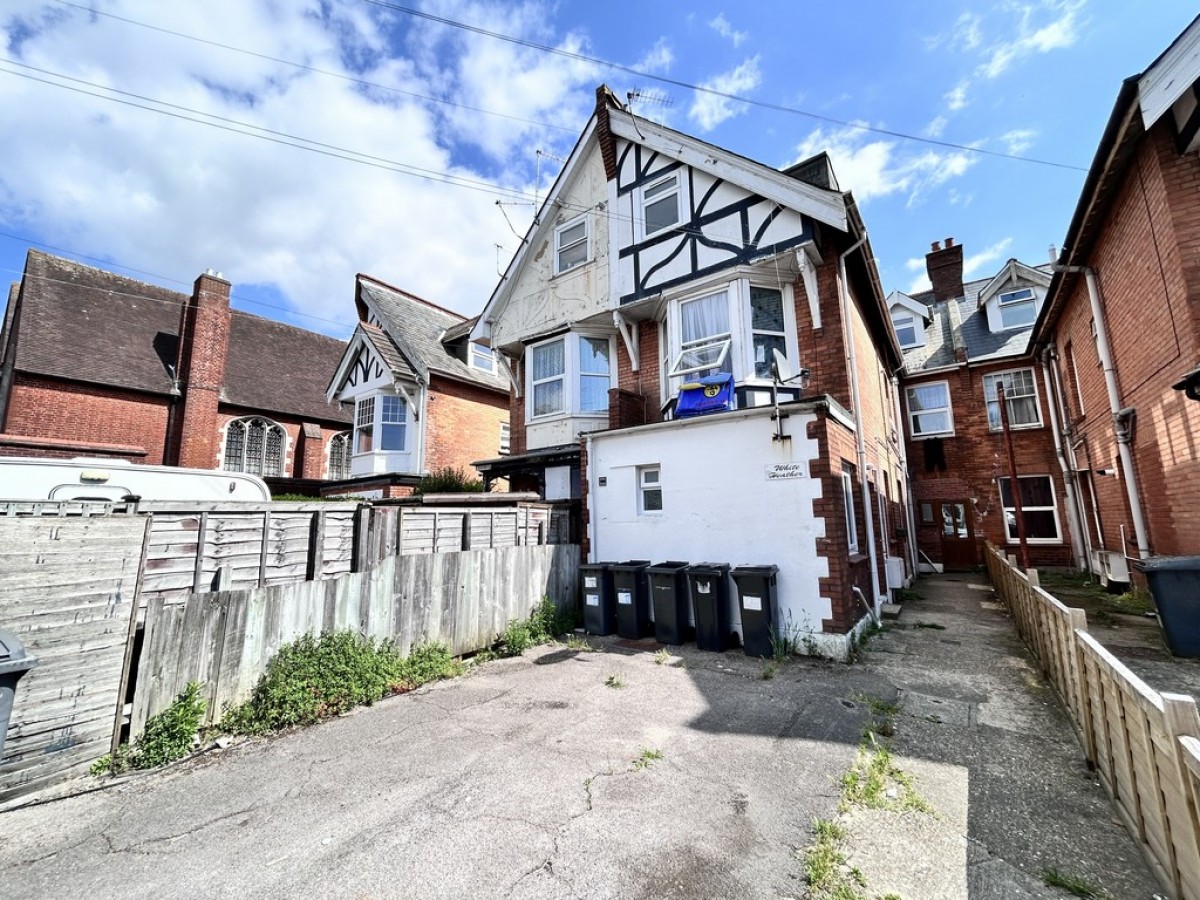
<point x="945" y="268"/>
<point x="203" y="351"/>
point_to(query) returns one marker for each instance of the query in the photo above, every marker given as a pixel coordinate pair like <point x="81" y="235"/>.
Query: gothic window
<point x="339" y="456"/>
<point x="254" y="445"/>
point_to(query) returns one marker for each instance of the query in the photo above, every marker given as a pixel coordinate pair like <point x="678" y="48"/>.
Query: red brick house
<point x="962" y="342"/>
<point x="1121" y="322"/>
<point x="665" y="276"/>
<point x="96" y="364"/>
<point x="425" y="396"/>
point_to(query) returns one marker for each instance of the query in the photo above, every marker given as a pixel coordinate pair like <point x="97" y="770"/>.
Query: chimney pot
<point x="935" y="246"/>
<point x="949" y="242"/>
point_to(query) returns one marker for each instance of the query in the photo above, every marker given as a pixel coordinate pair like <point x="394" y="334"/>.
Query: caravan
<point x="115" y="480"/>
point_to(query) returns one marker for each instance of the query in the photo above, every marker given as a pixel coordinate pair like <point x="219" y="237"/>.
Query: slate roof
<point x="964" y="317"/>
<point x="80" y="323"/>
<point x="418" y="332"/>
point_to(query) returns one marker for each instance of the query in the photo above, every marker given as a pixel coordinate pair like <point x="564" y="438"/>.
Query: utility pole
<point x="1014" y="485"/>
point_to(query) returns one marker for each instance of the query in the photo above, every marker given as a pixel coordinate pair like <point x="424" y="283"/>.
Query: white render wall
<point x="718" y="503"/>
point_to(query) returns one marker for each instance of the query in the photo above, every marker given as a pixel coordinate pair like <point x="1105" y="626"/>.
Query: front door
<point x="959" y="553"/>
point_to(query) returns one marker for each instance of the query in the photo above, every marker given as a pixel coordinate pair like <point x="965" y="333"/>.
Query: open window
<point x="705" y="337"/>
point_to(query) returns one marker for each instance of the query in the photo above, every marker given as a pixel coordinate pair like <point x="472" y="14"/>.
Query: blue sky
<point x="415" y="128"/>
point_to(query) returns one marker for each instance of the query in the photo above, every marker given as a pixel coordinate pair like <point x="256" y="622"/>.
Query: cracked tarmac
<point x="526" y="779"/>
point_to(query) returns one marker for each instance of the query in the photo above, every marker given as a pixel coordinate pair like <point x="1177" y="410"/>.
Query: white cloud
<point x="1059" y="33"/>
<point x="872" y="166"/>
<point x="936" y="127"/>
<point x="982" y="263"/>
<point x="722" y="27"/>
<point x="965" y="34"/>
<point x="1018" y="140"/>
<point x="920" y="283"/>
<point x="956" y="97"/>
<point x="708" y="110"/>
<point x="657" y="59"/>
<point x="175" y="197"/>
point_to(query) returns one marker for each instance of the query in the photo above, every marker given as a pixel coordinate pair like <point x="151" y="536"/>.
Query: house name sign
<point x="779" y="471"/>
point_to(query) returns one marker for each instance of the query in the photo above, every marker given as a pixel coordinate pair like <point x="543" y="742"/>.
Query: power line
<point x="362" y="82"/>
<point x="737" y="98"/>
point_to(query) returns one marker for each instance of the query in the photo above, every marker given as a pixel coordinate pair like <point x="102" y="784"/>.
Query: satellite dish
<point x="780" y="369"/>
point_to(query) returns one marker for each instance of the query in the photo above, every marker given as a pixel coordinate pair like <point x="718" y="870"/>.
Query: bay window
<point x="767" y="327"/>
<point x="594" y="377"/>
<point x="1038" y="509"/>
<point x="705" y="337"/>
<point x="1020" y="396"/>
<point x="548" y="368"/>
<point x="570" y="375"/>
<point x="380" y="423"/>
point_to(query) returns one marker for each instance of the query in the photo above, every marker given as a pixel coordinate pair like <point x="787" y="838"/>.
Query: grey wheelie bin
<point x="632" y="590"/>
<point x="14" y="663"/>
<point x="599" y="600"/>
<point x="708" y="585"/>
<point x="668" y="593"/>
<point x="1174" y="583"/>
<point x="756" y="598"/>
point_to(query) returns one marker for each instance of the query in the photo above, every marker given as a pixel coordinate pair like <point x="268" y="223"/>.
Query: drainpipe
<point x="1082" y="551"/>
<point x="1120" y="414"/>
<point x="860" y="437"/>
<point x="910" y="518"/>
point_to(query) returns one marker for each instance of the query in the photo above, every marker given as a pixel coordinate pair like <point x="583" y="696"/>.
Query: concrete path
<point x="540" y="777"/>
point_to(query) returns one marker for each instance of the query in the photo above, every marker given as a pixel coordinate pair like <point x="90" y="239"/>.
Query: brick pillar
<point x="309" y="459"/>
<point x="203" y="351"/>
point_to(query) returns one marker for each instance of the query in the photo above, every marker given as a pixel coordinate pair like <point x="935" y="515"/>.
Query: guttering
<point x="910" y="519"/>
<point x="1081" y="545"/>
<point x="860" y="439"/>
<point x="1120" y="413"/>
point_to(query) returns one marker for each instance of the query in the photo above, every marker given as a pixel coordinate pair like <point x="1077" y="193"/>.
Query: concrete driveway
<point x="529" y="778"/>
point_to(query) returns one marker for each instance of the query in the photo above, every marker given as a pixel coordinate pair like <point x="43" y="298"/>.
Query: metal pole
<point x="1014" y="485"/>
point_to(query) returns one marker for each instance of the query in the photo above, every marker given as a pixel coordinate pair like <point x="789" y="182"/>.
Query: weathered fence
<point x="1144" y="745"/>
<point x="68" y="591"/>
<point x="224" y="640"/>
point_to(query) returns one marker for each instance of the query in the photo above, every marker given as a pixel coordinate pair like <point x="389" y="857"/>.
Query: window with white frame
<point x="851" y="521"/>
<point x="650" y="500"/>
<point x="505" y="439"/>
<point x="255" y="445"/>
<point x="570" y="375"/>
<point x="339" y="457"/>
<point x="571" y="245"/>
<point x="768" y="328"/>
<point x="482" y="357"/>
<point x="907" y="332"/>
<point x="1020" y="396"/>
<point x="660" y="204"/>
<point x="1039" y="511"/>
<point x="929" y="413"/>
<point x="364" y="425"/>
<point x="704" y="336"/>
<point x="393" y="422"/>
<point x="1018" y="309"/>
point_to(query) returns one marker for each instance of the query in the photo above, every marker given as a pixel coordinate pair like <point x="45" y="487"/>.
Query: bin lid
<point x="13" y="657"/>
<point x="755" y="570"/>
<point x="708" y="568"/>
<point x="631" y="564"/>
<point x="1168" y="564"/>
<point x="671" y="566"/>
<point x="596" y="565"/>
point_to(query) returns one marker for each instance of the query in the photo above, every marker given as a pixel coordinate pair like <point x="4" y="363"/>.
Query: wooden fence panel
<point x="68" y="590"/>
<point x="463" y="599"/>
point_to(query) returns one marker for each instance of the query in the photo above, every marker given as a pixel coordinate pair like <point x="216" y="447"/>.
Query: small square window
<point x="650" y="498"/>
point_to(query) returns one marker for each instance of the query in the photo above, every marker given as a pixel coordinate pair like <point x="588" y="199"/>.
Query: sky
<point x="290" y="144"/>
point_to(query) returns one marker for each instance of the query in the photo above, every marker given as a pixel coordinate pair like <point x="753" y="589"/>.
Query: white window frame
<point x="560" y="247"/>
<point x="572" y="376"/>
<point x="642" y="201"/>
<point x="649" y="481"/>
<point x="912" y="415"/>
<point x="991" y="379"/>
<point x="505" y="439"/>
<point x="851" y="519"/>
<point x="918" y="330"/>
<point x="364" y="422"/>
<point x="1015" y="299"/>
<point x="370" y="415"/>
<point x="1011" y="535"/>
<point x="477" y="351"/>
<point x="384" y="419"/>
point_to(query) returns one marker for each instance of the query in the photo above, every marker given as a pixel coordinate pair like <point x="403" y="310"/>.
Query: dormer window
<point x="482" y="358"/>
<point x="571" y="245"/>
<point x="907" y="330"/>
<point x="1018" y="309"/>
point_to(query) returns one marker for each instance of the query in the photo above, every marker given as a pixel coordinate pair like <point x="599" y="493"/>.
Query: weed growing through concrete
<point x="661" y="657"/>
<point x="545" y="623"/>
<point x="646" y="758"/>
<point x="1073" y="884"/>
<point x="907" y="595"/>
<point x="168" y="736"/>
<point x="876" y="782"/>
<point x="826" y="870"/>
<point x="769" y="671"/>
<point x="574" y="642"/>
<point x="615" y="681"/>
<point x="933" y="626"/>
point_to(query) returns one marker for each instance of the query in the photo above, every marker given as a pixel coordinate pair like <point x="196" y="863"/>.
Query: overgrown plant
<point x="312" y="678"/>
<point x="168" y="736"/>
<point x="545" y="623"/>
<point x="448" y="480"/>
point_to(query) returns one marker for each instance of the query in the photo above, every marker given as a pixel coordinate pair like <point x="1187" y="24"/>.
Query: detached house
<point x="701" y="351"/>
<point x="1121" y="324"/>
<point x="963" y="343"/>
<point x="96" y="364"/>
<point x="424" y="395"/>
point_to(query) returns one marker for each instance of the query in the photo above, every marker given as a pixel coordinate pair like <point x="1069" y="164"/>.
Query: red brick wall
<point x="823" y="350"/>
<point x="975" y="456"/>
<point x="204" y="349"/>
<point x="462" y="424"/>
<point x="68" y="411"/>
<point x="516" y="410"/>
<point x="641" y="392"/>
<point x="1148" y="263"/>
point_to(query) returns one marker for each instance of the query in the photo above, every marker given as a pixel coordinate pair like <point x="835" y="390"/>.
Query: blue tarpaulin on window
<point x="713" y="393"/>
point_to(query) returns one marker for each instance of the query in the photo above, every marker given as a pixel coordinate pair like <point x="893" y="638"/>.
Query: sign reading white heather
<point x="777" y="471"/>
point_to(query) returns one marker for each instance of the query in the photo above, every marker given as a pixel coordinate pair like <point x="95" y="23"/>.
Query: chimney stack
<point x="945" y="268"/>
<point x="203" y="352"/>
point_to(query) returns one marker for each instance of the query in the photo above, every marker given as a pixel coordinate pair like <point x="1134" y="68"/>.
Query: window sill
<point x="856" y="558"/>
<point x="573" y="269"/>
<point x="1037" y="542"/>
<point x="930" y="437"/>
<point x="1018" y="428"/>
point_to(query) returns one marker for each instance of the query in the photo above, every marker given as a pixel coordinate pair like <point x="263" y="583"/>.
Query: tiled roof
<point x="417" y="327"/>
<point x="84" y="324"/>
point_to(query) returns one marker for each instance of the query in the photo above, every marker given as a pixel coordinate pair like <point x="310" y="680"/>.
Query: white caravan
<point x="113" y="480"/>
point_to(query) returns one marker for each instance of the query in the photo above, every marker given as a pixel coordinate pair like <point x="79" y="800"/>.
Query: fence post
<point x="1083" y="697"/>
<point x="262" y="555"/>
<point x="201" y="539"/>
<point x="316" y="546"/>
<point x="466" y="530"/>
<point x="362" y="538"/>
<point x="1181" y="719"/>
<point x="1034" y="579"/>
